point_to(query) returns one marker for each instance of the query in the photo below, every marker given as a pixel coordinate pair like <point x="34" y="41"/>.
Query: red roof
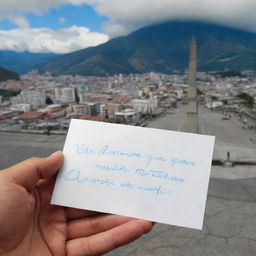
<point x="84" y="117"/>
<point x="32" y="115"/>
<point x="51" y="117"/>
<point x="56" y="109"/>
<point x="93" y="118"/>
<point x="98" y="118"/>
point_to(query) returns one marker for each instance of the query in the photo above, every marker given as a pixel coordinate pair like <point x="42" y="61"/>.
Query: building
<point x="21" y="107"/>
<point x="33" y="97"/>
<point x="93" y="108"/>
<point x="80" y="109"/>
<point x="30" y="117"/>
<point x="145" y="106"/>
<point x="128" y="116"/>
<point x="109" y="109"/>
<point x="59" y="111"/>
<point x="65" y="95"/>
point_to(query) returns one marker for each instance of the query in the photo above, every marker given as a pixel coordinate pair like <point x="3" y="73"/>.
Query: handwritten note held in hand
<point x="145" y="173"/>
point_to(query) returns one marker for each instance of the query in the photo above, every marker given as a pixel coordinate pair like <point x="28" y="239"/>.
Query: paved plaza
<point x="230" y="219"/>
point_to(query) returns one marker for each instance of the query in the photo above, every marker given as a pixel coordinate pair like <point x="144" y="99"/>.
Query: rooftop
<point x="32" y="115"/>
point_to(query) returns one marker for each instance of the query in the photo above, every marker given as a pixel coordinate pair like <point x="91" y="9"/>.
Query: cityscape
<point x="37" y="109"/>
<point x="47" y="103"/>
<point x="148" y="66"/>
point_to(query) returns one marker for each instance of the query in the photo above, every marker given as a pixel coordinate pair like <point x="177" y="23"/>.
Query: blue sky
<point x="63" y="16"/>
<point x="63" y="26"/>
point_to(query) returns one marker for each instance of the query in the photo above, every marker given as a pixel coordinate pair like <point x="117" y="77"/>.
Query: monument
<point x="191" y="120"/>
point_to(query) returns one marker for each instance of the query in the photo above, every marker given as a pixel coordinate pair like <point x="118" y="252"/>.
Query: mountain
<point x="23" y="62"/>
<point x="8" y="75"/>
<point x="162" y="48"/>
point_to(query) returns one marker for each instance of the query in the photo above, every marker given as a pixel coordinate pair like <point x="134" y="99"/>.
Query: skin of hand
<point x="30" y="225"/>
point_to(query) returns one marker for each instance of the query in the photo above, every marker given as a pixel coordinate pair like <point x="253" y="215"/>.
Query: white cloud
<point x="133" y="14"/>
<point x="46" y="40"/>
<point x="11" y="9"/>
<point x="128" y="15"/>
<point x="21" y="22"/>
<point x="62" y="20"/>
<point x="115" y="29"/>
<point x="124" y="16"/>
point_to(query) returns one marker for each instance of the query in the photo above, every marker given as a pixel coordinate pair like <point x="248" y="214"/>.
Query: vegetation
<point x="229" y="73"/>
<point x="163" y="48"/>
<point x="248" y="100"/>
<point x="8" y="93"/>
<point x="8" y="75"/>
<point x="76" y="96"/>
<point x="199" y="92"/>
<point x="23" y="62"/>
<point x="48" y="101"/>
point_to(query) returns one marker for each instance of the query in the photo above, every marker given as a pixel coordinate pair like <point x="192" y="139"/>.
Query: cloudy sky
<point x="63" y="26"/>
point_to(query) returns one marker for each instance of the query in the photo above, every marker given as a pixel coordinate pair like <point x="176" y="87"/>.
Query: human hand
<point x="30" y="225"/>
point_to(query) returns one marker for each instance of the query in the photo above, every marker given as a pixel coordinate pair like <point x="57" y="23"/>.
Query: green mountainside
<point x="23" y="62"/>
<point x="8" y="75"/>
<point x="162" y="48"/>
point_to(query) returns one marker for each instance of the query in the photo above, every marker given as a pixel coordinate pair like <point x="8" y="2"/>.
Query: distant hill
<point x="162" y="48"/>
<point x="8" y="75"/>
<point x="23" y="62"/>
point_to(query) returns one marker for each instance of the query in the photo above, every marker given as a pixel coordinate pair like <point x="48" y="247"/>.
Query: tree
<point x="48" y="101"/>
<point x="76" y="96"/>
<point x="248" y="99"/>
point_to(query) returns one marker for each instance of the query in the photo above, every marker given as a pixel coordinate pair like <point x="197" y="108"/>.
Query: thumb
<point x="29" y="172"/>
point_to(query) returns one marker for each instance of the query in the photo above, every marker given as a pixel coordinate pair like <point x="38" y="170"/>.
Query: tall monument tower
<point x="192" y="89"/>
<point x="191" y="120"/>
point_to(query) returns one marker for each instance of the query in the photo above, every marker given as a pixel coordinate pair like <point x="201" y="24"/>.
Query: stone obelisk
<point x="192" y="89"/>
<point x="191" y="120"/>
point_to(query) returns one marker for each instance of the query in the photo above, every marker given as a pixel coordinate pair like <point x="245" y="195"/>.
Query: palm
<point x="30" y="225"/>
<point x="35" y="225"/>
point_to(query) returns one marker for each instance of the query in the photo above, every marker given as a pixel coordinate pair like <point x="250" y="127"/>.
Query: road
<point x="16" y="147"/>
<point x="230" y="136"/>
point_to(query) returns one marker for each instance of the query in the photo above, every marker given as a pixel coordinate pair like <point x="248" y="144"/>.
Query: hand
<point x="30" y="225"/>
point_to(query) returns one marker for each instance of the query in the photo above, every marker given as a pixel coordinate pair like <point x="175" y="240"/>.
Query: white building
<point x="214" y="104"/>
<point x="128" y="116"/>
<point x="21" y="107"/>
<point x="145" y="106"/>
<point x="33" y="97"/>
<point x="109" y="109"/>
<point x="65" y="95"/>
<point x="80" y="109"/>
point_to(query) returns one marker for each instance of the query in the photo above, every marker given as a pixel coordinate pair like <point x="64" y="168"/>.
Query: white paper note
<point x="151" y="174"/>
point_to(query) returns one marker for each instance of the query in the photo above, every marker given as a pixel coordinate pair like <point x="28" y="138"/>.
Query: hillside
<point x="162" y="48"/>
<point x="8" y="75"/>
<point x="23" y="62"/>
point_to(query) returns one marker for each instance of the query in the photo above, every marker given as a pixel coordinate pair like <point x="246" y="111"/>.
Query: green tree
<point x="48" y="101"/>
<point x="248" y="99"/>
<point x="76" y="96"/>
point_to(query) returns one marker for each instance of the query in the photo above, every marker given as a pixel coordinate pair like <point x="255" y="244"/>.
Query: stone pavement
<point x="230" y="217"/>
<point x="229" y="226"/>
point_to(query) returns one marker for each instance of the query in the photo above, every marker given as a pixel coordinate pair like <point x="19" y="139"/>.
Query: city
<point x="230" y="210"/>
<point x="130" y="68"/>
<point x="44" y="103"/>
